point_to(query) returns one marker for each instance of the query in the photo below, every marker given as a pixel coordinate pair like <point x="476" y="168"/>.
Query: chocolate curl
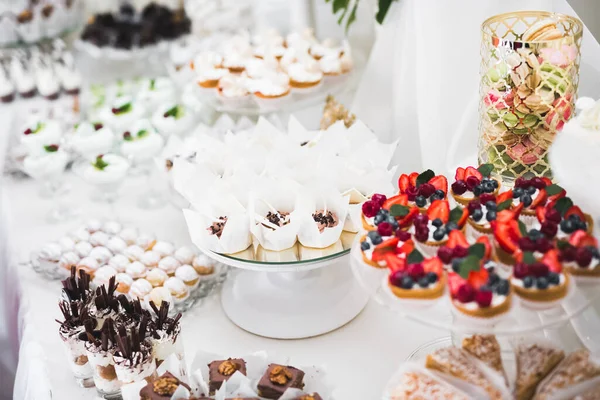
<point x="137" y="306"/>
<point x="125" y="303"/>
<point x="104" y="338"/>
<point x="153" y="306"/>
<point x="135" y="341"/>
<point x="123" y="342"/>
<point x="143" y="325"/>
<point x="112" y="286"/>
<point x="111" y="330"/>
<point x="89" y="331"/>
<point x="174" y="323"/>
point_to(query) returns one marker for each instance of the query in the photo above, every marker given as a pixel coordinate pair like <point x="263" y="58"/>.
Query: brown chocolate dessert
<point x="278" y="379"/>
<point x="217" y="227"/>
<point x="162" y="388"/>
<point x="325" y="219"/>
<point x="221" y="370"/>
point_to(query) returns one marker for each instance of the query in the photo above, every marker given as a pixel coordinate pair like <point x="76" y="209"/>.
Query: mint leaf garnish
<point x="456" y="214"/>
<point x="152" y="84"/>
<point x="477" y="250"/>
<point x="143" y="133"/>
<point x="562" y="244"/>
<point x="468" y="264"/>
<point x="414" y="257"/>
<point x="39" y="127"/>
<point x="53" y="148"/>
<point x="553" y="189"/>
<point x="425" y="177"/>
<point x="125" y="108"/>
<point x="486" y="169"/>
<point x="563" y="205"/>
<point x="522" y="228"/>
<point x="398" y="210"/>
<point x="528" y="257"/>
<point x="100" y="164"/>
<point x="171" y="112"/>
<point x="504" y="205"/>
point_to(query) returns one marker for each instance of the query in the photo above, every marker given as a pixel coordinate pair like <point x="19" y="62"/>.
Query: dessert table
<point x="357" y="352"/>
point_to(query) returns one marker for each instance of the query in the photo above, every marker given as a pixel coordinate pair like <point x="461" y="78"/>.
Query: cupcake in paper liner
<point x="299" y="134"/>
<point x="8" y="29"/>
<point x="221" y="227"/>
<point x="353" y="222"/>
<point x="29" y="27"/>
<point x="192" y="180"/>
<point x="322" y="214"/>
<point x="53" y="19"/>
<point x="274" y="221"/>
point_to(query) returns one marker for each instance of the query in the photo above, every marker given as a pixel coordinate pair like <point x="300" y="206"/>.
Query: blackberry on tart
<point x="423" y="189"/>
<point x="470" y="183"/>
<point x="415" y="277"/>
<point x="395" y="211"/>
<point x="539" y="281"/>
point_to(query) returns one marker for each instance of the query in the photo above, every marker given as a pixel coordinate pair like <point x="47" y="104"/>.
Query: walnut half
<point x="280" y="375"/>
<point x="227" y="368"/>
<point x="165" y="386"/>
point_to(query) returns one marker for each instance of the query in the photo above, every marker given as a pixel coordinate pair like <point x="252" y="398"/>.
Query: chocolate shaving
<point x="173" y="323"/>
<point x="77" y="288"/>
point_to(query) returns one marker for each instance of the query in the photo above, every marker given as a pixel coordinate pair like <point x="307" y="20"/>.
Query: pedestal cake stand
<point x="296" y="293"/>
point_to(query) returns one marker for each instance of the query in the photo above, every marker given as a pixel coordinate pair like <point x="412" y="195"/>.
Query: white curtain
<point x="421" y="84"/>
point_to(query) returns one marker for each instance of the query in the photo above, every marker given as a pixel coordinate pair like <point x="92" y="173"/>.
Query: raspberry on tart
<point x="431" y="230"/>
<point x="485" y="209"/>
<point x="560" y="218"/>
<point x="475" y="290"/>
<point x="539" y="281"/>
<point x="534" y="193"/>
<point x="377" y="244"/>
<point x="470" y="183"/>
<point x="423" y="189"/>
<point x="580" y="255"/>
<point x="394" y="210"/>
<point x="419" y="278"/>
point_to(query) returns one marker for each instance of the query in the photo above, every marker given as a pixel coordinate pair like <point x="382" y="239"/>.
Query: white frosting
<point x="120" y="122"/>
<point x="180" y="125"/>
<point x="177" y="288"/>
<point x="133" y="252"/>
<point x="519" y="282"/>
<point x="70" y="78"/>
<point x="302" y="39"/>
<point x="51" y="252"/>
<point x="166" y="345"/>
<point x="233" y="86"/>
<point x="269" y="36"/>
<point x="157" y="277"/>
<point x="268" y="87"/>
<point x="90" y="142"/>
<point x="331" y="65"/>
<point x="208" y="74"/>
<point x="164" y="248"/>
<point x="158" y="295"/>
<point x="21" y="76"/>
<point x="327" y="48"/>
<point x="301" y="73"/>
<point x="269" y="50"/>
<point x="101" y="254"/>
<point x="497" y="300"/>
<point x="103" y="275"/>
<point x="68" y="259"/>
<point x="202" y="260"/>
<point x="83" y="248"/>
<point x="125" y="281"/>
<point x="257" y="68"/>
<point x="119" y="262"/>
<point x="44" y="132"/>
<point x="140" y="288"/>
<point x="99" y="238"/>
<point x="102" y="359"/>
<point x="80" y="235"/>
<point x="142" y="148"/>
<point x="145" y="240"/>
<point x="369" y="253"/>
<point x="129" y="235"/>
<point x="116" y="245"/>
<point x="150" y="258"/>
<point x="483" y="222"/>
<point x="169" y="264"/>
<point x="590" y="118"/>
<point x="207" y="59"/>
<point x="136" y="269"/>
<point x="140" y="369"/>
<point x="185" y="255"/>
<point x="93" y="225"/>
<point x="6" y="86"/>
<point x="66" y="243"/>
<point x="153" y="95"/>
<point x="47" y="82"/>
<point x="89" y="264"/>
<point x="47" y="165"/>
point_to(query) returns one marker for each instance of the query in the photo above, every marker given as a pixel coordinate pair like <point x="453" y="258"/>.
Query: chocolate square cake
<point x="278" y="379"/>
<point x="221" y="370"/>
<point x="161" y="388"/>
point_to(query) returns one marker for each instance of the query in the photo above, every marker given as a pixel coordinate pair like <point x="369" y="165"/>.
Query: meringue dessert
<point x="49" y="164"/>
<point x="123" y="113"/>
<point x="92" y="138"/>
<point x="141" y="142"/>
<point x="155" y="92"/>
<point x="173" y="119"/>
<point x="106" y="170"/>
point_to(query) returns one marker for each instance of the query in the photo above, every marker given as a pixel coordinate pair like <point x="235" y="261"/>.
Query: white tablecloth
<point x="359" y="357"/>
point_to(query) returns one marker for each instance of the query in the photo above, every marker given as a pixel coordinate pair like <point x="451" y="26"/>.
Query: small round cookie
<point x="99" y="238"/>
<point x="133" y="252"/>
<point x="88" y="264"/>
<point x="51" y="252"/>
<point x="112" y="227"/>
<point x="164" y="248"/>
<point x="101" y="254"/>
<point x="124" y="282"/>
<point x="93" y="225"/>
<point x="68" y="259"/>
<point x="103" y="275"/>
<point x="157" y="277"/>
<point x="185" y="255"/>
<point x="80" y="235"/>
<point x="129" y="235"/>
<point x="119" y="262"/>
<point x="140" y="288"/>
<point x="203" y="265"/>
<point x="116" y="244"/>
<point x="188" y="275"/>
<point x="177" y="288"/>
<point x="145" y="241"/>
<point x="83" y="248"/>
<point x="150" y="258"/>
<point x="66" y="243"/>
<point x="136" y="270"/>
<point x="169" y="264"/>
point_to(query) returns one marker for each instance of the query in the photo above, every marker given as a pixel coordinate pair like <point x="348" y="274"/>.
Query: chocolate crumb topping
<point x="165" y="386"/>
<point x="304" y="143"/>
<point x="227" y="368"/>
<point x="217" y="227"/>
<point x="325" y="220"/>
<point x="25" y="16"/>
<point x="169" y="164"/>
<point x="277" y="218"/>
<point x="280" y="375"/>
<point x="47" y="10"/>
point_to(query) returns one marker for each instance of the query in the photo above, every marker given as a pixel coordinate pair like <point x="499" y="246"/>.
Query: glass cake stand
<point x="291" y="294"/>
<point x="576" y="309"/>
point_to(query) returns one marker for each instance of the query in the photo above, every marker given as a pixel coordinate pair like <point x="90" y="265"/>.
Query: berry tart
<point x="561" y="218"/>
<point x="533" y="193"/>
<point x="431" y="230"/>
<point x="417" y="278"/>
<point x="542" y="281"/>
<point x="579" y="255"/>
<point x="378" y="247"/>
<point x="476" y="291"/>
<point x="457" y="248"/>
<point x="423" y="189"/>
<point x="394" y="210"/>
<point x="470" y="183"/>
<point x="484" y="210"/>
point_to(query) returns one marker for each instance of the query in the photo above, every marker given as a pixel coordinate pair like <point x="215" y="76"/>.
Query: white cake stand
<point x="294" y="294"/>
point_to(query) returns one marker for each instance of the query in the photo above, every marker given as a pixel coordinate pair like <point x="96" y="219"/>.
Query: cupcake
<point x="141" y="142"/>
<point x="203" y="265"/>
<point x="136" y="270"/>
<point x="206" y="59"/>
<point x="275" y="86"/>
<point x="235" y="63"/>
<point x="432" y="229"/>
<point x="157" y="277"/>
<point x="92" y="138"/>
<point x="261" y="68"/>
<point x="179" y="290"/>
<point x="539" y="282"/>
<point x="150" y="258"/>
<point x="416" y="278"/>
<point x="423" y="189"/>
<point x="169" y="264"/>
<point x="470" y="183"/>
<point x="233" y="91"/>
<point x="174" y="119"/>
<point x="188" y="275"/>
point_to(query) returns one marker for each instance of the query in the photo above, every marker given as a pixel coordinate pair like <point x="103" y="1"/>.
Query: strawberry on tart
<point x="417" y="278"/>
<point x="394" y="210"/>
<point x="533" y="193"/>
<point x="431" y="230"/>
<point x="579" y="255"/>
<point x="540" y="282"/>
<point x="423" y="189"/>
<point x="470" y="183"/>
<point x="484" y="210"/>
<point x="379" y="248"/>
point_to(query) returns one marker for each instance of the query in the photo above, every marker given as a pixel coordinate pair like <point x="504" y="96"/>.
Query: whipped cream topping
<point x="89" y="142"/>
<point x="68" y="259"/>
<point x="186" y="273"/>
<point x="22" y="77"/>
<point x="268" y="87"/>
<point x="184" y="255"/>
<point x="6" y="86"/>
<point x="207" y="59"/>
<point x="125" y="281"/>
<point x="517" y="201"/>
<point x="259" y="68"/>
<point x="169" y="264"/>
<point x="163" y="248"/>
<point x="233" y="86"/>
<point x="177" y="288"/>
<point x="136" y="270"/>
<point x="46" y="165"/>
<point x="590" y="118"/>
<point x="114" y="172"/>
<point x="301" y="72"/>
<point x="519" y="282"/>
<point x="497" y="299"/>
<point x="101" y="254"/>
<point x="205" y="74"/>
<point x="116" y="244"/>
<point x="145" y="147"/>
<point x="46" y="82"/>
<point x="328" y="48"/>
<point x="83" y="248"/>
<point x="69" y="77"/>
<point x="157" y="277"/>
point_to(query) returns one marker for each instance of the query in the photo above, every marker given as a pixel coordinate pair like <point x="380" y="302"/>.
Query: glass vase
<point x="528" y="89"/>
